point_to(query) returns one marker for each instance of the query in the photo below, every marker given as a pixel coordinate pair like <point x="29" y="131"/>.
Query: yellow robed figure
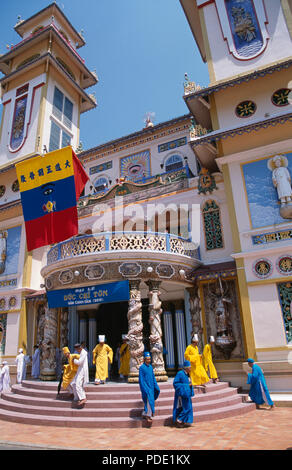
<point x="102" y="353"/>
<point x="208" y="361"/>
<point x="198" y="374"/>
<point x="69" y="370"/>
<point x="125" y="356"/>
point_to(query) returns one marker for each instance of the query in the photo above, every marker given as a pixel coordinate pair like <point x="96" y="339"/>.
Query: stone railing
<point x="106" y="242"/>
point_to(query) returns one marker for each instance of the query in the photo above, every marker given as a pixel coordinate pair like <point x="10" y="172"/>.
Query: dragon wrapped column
<point x="156" y="346"/>
<point x="135" y="333"/>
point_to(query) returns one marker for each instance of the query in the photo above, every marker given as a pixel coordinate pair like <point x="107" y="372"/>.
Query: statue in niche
<point x="3" y="249"/>
<point x="281" y="178"/>
<point x="282" y="182"/>
<point x="225" y="341"/>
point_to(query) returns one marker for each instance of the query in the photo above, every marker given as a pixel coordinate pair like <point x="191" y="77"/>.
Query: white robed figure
<point x="86" y="369"/>
<point x="19" y="365"/>
<point x="35" y="367"/>
<point x="5" y="385"/>
<point x="78" y="382"/>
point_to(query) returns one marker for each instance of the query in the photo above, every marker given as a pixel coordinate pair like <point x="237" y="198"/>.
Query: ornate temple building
<point x="184" y="226"/>
<point x="246" y="112"/>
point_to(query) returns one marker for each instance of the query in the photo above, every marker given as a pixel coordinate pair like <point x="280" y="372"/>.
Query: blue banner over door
<point x="101" y="293"/>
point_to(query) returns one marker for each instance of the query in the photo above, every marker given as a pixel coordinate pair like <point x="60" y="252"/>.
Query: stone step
<point x="113" y="405"/>
<point x="112" y="387"/>
<point x="111" y="393"/>
<point x="94" y="411"/>
<point x="118" y="422"/>
<point x="108" y="402"/>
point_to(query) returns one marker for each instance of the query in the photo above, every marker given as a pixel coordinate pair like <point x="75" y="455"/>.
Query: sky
<point x="140" y="51"/>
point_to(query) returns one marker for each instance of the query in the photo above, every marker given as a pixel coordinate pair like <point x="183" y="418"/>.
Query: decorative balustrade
<point x="106" y="242"/>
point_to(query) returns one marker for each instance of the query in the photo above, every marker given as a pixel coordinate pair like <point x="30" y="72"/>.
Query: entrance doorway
<point x="110" y="320"/>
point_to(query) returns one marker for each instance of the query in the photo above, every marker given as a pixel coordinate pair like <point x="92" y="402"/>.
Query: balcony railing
<point x="165" y="178"/>
<point x="111" y="242"/>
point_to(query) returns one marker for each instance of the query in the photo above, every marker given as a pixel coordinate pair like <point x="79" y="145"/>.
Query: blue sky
<point x="140" y="51"/>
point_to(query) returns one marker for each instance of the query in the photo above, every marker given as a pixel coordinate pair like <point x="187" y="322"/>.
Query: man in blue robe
<point x="182" y="406"/>
<point x="258" y="392"/>
<point x="149" y="387"/>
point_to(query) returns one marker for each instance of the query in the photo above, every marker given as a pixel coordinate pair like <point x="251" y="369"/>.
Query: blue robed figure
<point x="182" y="406"/>
<point x="148" y="386"/>
<point x="259" y="392"/>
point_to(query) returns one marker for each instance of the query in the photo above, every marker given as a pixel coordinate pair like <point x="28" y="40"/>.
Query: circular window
<point x="245" y="109"/>
<point x="262" y="268"/>
<point x="2" y="190"/>
<point x="284" y="265"/>
<point x="280" y="97"/>
<point x="15" y="186"/>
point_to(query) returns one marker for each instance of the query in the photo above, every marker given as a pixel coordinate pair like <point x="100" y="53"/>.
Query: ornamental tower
<point x="44" y="92"/>
<point x="242" y="126"/>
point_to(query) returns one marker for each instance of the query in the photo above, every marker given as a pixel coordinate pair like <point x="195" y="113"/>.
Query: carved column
<point x="49" y="343"/>
<point x="195" y="310"/>
<point x="156" y="346"/>
<point x="64" y="331"/>
<point x="135" y="333"/>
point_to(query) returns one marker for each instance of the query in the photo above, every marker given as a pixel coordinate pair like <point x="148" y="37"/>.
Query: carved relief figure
<point x="64" y="331"/>
<point x="135" y="336"/>
<point x="195" y="311"/>
<point x="155" y="338"/>
<point x="244" y="25"/>
<point x="48" y="346"/>
<point x="224" y="334"/>
<point x="40" y="323"/>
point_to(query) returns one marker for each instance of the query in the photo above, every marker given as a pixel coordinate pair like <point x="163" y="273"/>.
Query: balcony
<point x="118" y="255"/>
<point x="113" y="242"/>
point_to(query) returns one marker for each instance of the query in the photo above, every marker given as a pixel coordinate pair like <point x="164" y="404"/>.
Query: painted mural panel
<point x="245" y="28"/>
<point x="136" y="166"/>
<point x="268" y="189"/>
<point x="9" y="250"/>
<point x="18" y="128"/>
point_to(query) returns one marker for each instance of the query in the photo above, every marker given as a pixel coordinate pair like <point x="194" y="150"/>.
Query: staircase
<point x="113" y="405"/>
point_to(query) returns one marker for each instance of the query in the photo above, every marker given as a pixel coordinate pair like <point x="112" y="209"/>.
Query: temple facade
<point x="190" y="217"/>
<point x="246" y="114"/>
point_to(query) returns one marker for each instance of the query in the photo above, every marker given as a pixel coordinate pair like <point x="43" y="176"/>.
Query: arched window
<point x="212" y="225"/>
<point x="101" y="183"/>
<point x="174" y="162"/>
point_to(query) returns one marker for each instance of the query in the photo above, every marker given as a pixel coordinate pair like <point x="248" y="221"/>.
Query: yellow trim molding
<point x="245" y="307"/>
<point x="276" y="348"/>
<point x="27" y="269"/>
<point x="231" y="208"/>
<point x="274" y="280"/>
<point x="22" y="332"/>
